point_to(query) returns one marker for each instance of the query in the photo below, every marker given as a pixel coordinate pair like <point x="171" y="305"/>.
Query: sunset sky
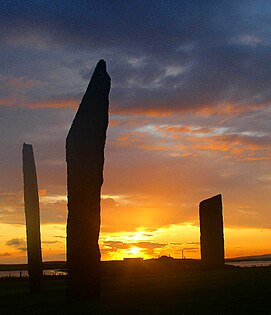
<point x="190" y="112"/>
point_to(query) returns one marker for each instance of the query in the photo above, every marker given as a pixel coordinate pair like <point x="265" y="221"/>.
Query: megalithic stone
<point x="32" y="216"/>
<point x="85" y="160"/>
<point x="211" y="233"/>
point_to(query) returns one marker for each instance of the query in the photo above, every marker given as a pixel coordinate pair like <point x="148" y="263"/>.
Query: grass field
<point x="231" y="291"/>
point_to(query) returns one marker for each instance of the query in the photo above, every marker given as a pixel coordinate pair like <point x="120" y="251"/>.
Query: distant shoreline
<point x="48" y="265"/>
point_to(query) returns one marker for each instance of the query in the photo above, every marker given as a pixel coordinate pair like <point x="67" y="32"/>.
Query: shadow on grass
<point x="233" y="291"/>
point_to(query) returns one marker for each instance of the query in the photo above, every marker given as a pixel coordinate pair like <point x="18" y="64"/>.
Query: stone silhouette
<point x="85" y="160"/>
<point x="211" y="233"/>
<point x="32" y="215"/>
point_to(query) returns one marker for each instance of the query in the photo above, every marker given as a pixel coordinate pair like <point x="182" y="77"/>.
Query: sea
<point x="24" y="273"/>
<point x="250" y="263"/>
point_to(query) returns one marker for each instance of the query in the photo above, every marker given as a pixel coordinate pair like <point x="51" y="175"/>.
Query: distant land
<point x="47" y="265"/>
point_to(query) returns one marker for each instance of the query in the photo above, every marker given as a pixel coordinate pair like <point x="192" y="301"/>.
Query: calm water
<point x="258" y="263"/>
<point x="24" y="273"/>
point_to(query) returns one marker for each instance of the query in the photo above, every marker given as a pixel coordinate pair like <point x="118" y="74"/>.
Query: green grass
<point x="232" y="291"/>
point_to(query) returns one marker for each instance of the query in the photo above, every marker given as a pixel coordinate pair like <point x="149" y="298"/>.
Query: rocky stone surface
<point x="85" y="160"/>
<point x="32" y="215"/>
<point x="211" y="233"/>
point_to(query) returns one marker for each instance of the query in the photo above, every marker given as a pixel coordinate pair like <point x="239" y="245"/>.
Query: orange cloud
<point x="235" y="146"/>
<point x="187" y="140"/>
<point x="146" y="111"/>
<point x="229" y="109"/>
<point x="42" y="192"/>
<point x="6" y="101"/>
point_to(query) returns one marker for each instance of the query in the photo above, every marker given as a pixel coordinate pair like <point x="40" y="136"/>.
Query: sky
<point x="190" y="110"/>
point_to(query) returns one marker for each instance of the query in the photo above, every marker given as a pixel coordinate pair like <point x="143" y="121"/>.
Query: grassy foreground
<point x="231" y="291"/>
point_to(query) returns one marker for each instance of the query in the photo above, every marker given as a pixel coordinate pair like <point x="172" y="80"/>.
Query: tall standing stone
<point x="85" y="160"/>
<point x="211" y="233"/>
<point x="32" y="215"/>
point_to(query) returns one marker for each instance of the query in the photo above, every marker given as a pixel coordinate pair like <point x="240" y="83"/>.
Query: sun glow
<point x="134" y="250"/>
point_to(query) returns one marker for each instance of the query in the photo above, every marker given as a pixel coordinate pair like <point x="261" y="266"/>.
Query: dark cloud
<point x="17" y="243"/>
<point x="174" y="54"/>
<point x="50" y="242"/>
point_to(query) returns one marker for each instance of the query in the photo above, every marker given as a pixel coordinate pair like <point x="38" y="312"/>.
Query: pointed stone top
<point x="98" y="87"/>
<point x="101" y="65"/>
<point x="100" y="71"/>
<point x="92" y="114"/>
<point x="27" y="146"/>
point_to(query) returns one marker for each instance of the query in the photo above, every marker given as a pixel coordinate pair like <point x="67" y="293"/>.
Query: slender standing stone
<point x="211" y="233"/>
<point x="32" y="216"/>
<point x="85" y="159"/>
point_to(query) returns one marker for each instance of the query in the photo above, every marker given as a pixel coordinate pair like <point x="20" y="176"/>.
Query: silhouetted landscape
<point x="153" y="192"/>
<point x="149" y="287"/>
<point x="155" y="286"/>
<point x="62" y="265"/>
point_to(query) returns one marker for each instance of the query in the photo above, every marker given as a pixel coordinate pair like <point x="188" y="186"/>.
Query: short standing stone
<point x="211" y="233"/>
